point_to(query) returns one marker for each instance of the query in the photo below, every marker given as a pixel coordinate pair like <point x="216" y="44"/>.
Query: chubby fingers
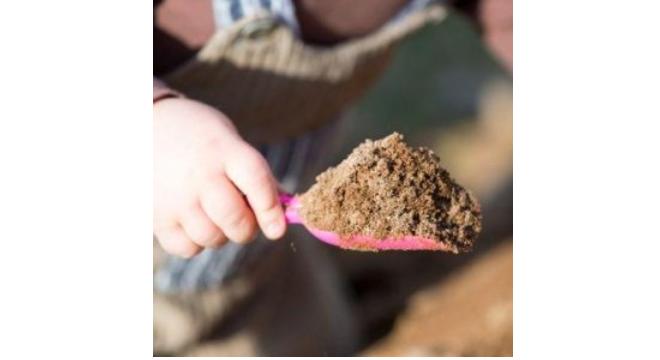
<point x="252" y="176"/>
<point x="201" y="229"/>
<point x="225" y="206"/>
<point x="177" y="242"/>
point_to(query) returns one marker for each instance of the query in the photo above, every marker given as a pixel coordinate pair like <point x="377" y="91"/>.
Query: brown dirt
<point x="387" y="189"/>
<point x="468" y="314"/>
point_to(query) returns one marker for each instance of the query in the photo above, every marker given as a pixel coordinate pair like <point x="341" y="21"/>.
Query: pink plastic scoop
<point x="291" y="206"/>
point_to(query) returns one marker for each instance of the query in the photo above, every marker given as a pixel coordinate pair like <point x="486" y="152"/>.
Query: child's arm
<point x="202" y="168"/>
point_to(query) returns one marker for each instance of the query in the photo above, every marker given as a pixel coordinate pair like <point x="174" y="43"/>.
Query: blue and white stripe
<point x="227" y="12"/>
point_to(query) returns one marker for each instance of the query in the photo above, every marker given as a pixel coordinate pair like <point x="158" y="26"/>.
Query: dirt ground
<point x="469" y="314"/>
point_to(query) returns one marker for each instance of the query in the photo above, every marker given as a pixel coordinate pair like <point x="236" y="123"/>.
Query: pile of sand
<point x="387" y="189"/>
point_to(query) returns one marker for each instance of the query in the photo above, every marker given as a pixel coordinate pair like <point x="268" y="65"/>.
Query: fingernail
<point x="275" y="229"/>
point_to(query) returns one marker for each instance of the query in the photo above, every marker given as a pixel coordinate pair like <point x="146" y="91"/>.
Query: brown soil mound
<point x="470" y="313"/>
<point x="387" y="189"/>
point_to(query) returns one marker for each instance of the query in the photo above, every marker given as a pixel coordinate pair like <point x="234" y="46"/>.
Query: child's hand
<point x="202" y="168"/>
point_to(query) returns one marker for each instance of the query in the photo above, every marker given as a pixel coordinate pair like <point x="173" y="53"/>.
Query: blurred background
<point x="444" y="90"/>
